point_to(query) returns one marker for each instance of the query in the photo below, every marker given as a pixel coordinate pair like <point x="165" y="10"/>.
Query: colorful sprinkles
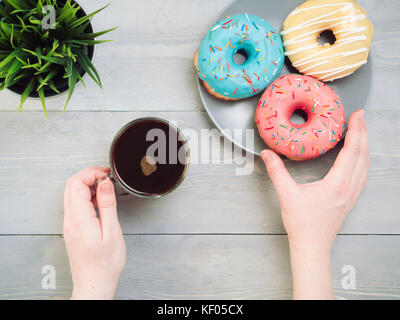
<point x="245" y="33"/>
<point x="314" y="138"/>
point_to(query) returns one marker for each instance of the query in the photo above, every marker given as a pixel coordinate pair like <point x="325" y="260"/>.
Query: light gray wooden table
<point x="219" y="236"/>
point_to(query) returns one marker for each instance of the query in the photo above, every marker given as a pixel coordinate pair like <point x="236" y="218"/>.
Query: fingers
<point x="280" y="177"/>
<point x="78" y="195"/>
<point x="107" y="204"/>
<point x="362" y="167"/>
<point x="90" y="175"/>
<point x="345" y="164"/>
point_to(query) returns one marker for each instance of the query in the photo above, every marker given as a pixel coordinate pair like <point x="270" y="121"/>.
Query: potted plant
<point x="40" y="57"/>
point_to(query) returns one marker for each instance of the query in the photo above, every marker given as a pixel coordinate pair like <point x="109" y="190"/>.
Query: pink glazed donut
<point x="324" y="125"/>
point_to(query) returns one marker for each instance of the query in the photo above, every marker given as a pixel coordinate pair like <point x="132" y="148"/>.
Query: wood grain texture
<point x="203" y="267"/>
<point x="150" y="64"/>
<point x="232" y="253"/>
<point x="36" y="158"/>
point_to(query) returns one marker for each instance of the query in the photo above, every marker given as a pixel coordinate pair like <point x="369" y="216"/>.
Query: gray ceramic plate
<point x="353" y="90"/>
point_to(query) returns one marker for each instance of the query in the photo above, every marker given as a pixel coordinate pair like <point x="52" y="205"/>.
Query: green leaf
<point x="35" y="21"/>
<point x="54" y="60"/>
<point x="12" y="72"/>
<point x="10" y="58"/>
<point x="76" y="32"/>
<point x="39" y="7"/>
<point x="45" y="36"/>
<point x="18" y="78"/>
<point x="43" y="100"/>
<point x="88" y="42"/>
<point x="95" y="35"/>
<point x="39" y="55"/>
<point x="53" y="87"/>
<point x="72" y="71"/>
<point x="19" y="11"/>
<point x="24" y="63"/>
<point x="87" y="17"/>
<point x="9" y="33"/>
<point x="71" y="55"/>
<point x="88" y="66"/>
<point x="81" y="80"/>
<point x="45" y="81"/>
<point x="56" y="44"/>
<point x="35" y="66"/>
<point x="18" y="4"/>
<point x="68" y="13"/>
<point x="23" y="25"/>
<point x="44" y="69"/>
<point x="28" y="90"/>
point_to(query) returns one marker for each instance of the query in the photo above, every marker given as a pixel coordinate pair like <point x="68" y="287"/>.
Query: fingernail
<point x="265" y="155"/>
<point x="106" y="186"/>
<point x="361" y="114"/>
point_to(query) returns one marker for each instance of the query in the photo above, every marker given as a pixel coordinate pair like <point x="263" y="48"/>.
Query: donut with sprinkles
<point x="259" y="44"/>
<point x="324" y="124"/>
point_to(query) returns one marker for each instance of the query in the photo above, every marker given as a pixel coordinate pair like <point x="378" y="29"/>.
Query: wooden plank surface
<point x="203" y="267"/>
<point x="150" y="64"/>
<point x="219" y="235"/>
<point x="37" y="157"/>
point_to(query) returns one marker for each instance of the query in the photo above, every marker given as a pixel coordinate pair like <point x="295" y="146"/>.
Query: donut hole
<point x="240" y="57"/>
<point x="326" y="37"/>
<point x="299" y="117"/>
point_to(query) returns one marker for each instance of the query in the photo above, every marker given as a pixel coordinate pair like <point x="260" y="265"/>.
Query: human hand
<point x="313" y="213"/>
<point x="95" y="246"/>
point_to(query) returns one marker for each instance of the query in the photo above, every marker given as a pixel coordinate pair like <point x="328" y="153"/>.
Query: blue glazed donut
<point x="254" y="38"/>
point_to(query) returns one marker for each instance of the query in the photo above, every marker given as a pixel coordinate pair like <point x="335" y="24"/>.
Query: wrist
<point x="309" y="248"/>
<point x="311" y="270"/>
<point x="93" y="291"/>
<point x="91" y="294"/>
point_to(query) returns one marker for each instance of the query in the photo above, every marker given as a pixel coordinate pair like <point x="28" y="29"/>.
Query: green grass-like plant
<point x="38" y="56"/>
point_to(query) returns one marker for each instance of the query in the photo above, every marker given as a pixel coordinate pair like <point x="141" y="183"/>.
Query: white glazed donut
<point x="350" y="25"/>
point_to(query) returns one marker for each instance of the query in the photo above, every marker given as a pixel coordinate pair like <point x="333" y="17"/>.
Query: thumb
<point x="280" y="177"/>
<point x="107" y="204"/>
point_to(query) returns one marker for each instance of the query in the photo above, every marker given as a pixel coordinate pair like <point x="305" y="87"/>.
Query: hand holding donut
<point x="313" y="213"/>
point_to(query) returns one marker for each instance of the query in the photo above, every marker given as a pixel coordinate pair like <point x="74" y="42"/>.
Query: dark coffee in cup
<point x="149" y="157"/>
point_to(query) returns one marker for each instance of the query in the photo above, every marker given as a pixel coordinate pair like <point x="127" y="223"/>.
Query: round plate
<point x="353" y="90"/>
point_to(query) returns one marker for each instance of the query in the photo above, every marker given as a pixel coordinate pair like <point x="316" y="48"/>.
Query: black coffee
<point x="149" y="173"/>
